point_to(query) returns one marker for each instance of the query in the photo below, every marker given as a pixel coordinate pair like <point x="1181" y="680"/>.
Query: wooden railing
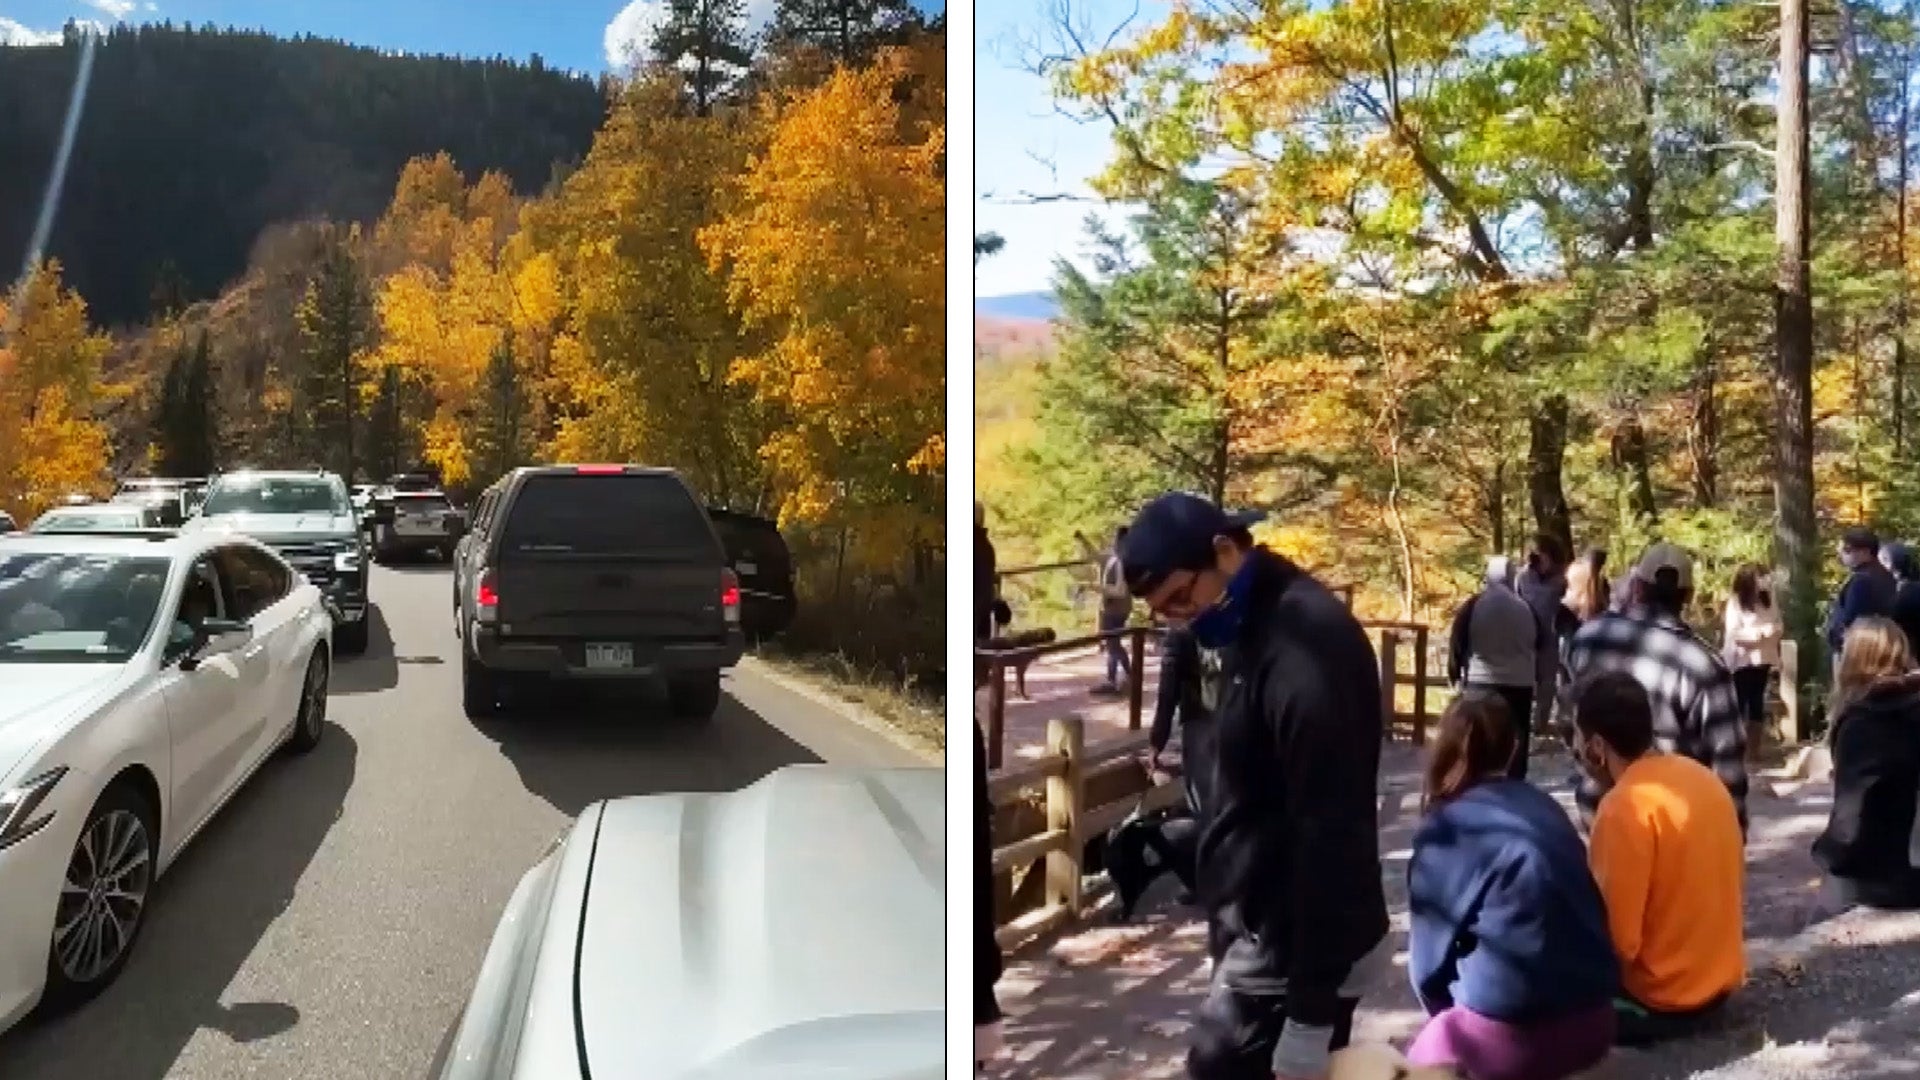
<point x="1068" y="769"/>
<point x="1061" y="775"/>
<point x="992" y="665"/>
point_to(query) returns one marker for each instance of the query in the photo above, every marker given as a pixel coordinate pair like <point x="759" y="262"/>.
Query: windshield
<point x="275" y="495"/>
<point x="60" y="608"/>
<point x="103" y="519"/>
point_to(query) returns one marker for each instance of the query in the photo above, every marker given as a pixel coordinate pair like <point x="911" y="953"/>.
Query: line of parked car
<point x="158" y="648"/>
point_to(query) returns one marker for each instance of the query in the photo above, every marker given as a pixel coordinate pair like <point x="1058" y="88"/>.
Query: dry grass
<point x="915" y="713"/>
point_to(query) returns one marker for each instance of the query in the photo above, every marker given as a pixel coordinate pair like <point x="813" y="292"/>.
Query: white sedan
<point x="142" y="680"/>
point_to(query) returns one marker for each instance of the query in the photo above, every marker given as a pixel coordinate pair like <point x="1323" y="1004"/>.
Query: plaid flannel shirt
<point x="1695" y="709"/>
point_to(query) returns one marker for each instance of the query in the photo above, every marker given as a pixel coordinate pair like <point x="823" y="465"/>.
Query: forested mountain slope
<point x="193" y="141"/>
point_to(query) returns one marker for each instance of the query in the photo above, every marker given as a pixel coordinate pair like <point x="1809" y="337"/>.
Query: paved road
<point x="330" y="922"/>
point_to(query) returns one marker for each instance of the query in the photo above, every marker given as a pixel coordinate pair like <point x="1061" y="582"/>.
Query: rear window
<point x="755" y="541"/>
<point x="627" y="514"/>
<point x="421" y="503"/>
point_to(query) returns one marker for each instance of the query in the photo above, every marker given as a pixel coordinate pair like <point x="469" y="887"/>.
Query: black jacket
<point x="1906" y="612"/>
<point x="1870" y="834"/>
<point x="1867" y="591"/>
<point x="984" y="572"/>
<point x="987" y="963"/>
<point x="1289" y="858"/>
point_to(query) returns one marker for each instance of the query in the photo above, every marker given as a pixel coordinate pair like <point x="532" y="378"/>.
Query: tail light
<point x="599" y="470"/>
<point x="486" y="599"/>
<point x="730" y="596"/>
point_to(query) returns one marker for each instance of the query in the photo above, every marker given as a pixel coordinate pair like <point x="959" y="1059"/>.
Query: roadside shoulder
<point x="841" y="698"/>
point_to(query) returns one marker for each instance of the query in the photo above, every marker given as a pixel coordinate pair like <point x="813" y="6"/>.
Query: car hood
<point x="279" y="527"/>
<point x="36" y="699"/>
<point x="793" y="929"/>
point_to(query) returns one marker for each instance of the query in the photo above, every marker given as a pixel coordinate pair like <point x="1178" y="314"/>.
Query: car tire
<point x="350" y="638"/>
<point x="479" y="688"/>
<point x="310" y="716"/>
<point x="694" y="697"/>
<point x="73" y="977"/>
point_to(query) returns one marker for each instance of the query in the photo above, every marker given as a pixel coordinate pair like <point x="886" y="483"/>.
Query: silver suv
<point x="306" y="516"/>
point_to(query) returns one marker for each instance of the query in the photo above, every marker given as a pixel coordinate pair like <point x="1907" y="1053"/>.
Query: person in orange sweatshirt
<point x="1669" y="856"/>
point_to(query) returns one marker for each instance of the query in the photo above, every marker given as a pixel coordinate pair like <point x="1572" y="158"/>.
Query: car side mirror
<point x="216" y="637"/>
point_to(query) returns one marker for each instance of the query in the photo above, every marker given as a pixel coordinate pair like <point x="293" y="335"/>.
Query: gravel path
<point x="1834" y="994"/>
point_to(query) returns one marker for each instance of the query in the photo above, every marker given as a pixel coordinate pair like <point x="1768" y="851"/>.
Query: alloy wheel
<point x="103" y="896"/>
<point x="313" y="700"/>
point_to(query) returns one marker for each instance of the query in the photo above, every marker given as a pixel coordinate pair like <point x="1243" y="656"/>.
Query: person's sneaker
<point x="1106" y="690"/>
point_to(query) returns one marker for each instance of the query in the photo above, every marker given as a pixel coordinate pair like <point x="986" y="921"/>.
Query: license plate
<point x="616" y="654"/>
<point x="747" y="567"/>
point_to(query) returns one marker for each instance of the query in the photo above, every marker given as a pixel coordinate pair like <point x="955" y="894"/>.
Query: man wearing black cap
<point x="1289" y="854"/>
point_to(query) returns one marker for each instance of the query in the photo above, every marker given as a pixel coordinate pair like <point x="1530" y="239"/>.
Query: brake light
<point x="599" y="470"/>
<point x="730" y="596"/>
<point x="486" y="599"/>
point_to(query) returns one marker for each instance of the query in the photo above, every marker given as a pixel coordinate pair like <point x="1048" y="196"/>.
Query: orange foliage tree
<point x="832" y="253"/>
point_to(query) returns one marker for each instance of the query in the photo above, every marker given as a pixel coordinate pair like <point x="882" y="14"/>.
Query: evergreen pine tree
<point x="707" y="42"/>
<point x="502" y="437"/>
<point x="336" y="327"/>
<point x="168" y="423"/>
<point x="198" y="434"/>
<point x="384" y="426"/>
<point x="847" y="30"/>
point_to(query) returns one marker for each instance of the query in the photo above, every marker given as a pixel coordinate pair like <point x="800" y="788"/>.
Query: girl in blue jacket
<point x="1509" y="949"/>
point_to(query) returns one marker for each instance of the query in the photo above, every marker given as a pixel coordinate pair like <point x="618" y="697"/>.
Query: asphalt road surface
<point x="330" y="921"/>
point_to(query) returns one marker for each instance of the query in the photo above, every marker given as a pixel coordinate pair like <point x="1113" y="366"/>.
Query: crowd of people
<point x="1533" y="949"/>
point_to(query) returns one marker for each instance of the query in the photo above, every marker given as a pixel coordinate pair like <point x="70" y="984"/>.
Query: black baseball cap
<point x="1176" y="532"/>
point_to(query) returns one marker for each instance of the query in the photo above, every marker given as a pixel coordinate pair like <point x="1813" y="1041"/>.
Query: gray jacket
<point x="1496" y="637"/>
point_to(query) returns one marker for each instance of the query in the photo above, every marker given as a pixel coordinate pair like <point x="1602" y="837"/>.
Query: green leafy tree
<point x="1145" y="393"/>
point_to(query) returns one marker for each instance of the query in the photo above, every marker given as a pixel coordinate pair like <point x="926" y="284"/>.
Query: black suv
<point x="595" y="572"/>
<point x="760" y="557"/>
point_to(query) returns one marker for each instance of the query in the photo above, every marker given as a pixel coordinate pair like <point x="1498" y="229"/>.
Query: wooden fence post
<point x="1066" y="735"/>
<point x="1796" y="724"/>
<point x="996" y="710"/>
<point x="1389" y="670"/>
<point x="1420" y="686"/>
<point x="1136" y="686"/>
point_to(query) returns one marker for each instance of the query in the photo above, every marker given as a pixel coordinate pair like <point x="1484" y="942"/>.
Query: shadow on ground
<point x="419" y="564"/>
<point x="209" y="912"/>
<point x="576" y="744"/>
<point x="376" y="669"/>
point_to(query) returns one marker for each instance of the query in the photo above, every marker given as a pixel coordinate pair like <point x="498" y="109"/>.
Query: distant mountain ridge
<point x="1027" y="305"/>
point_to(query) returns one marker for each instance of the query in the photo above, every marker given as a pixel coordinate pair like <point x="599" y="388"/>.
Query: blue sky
<point x="1021" y="145"/>
<point x="582" y="35"/>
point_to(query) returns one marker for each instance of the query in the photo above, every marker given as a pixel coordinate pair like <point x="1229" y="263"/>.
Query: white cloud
<point x="629" y="37"/>
<point x="13" y="33"/>
<point x="117" y="9"/>
<point x="151" y="6"/>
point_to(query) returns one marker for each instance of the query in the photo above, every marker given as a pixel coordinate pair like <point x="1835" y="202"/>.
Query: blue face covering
<point x="1219" y="625"/>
